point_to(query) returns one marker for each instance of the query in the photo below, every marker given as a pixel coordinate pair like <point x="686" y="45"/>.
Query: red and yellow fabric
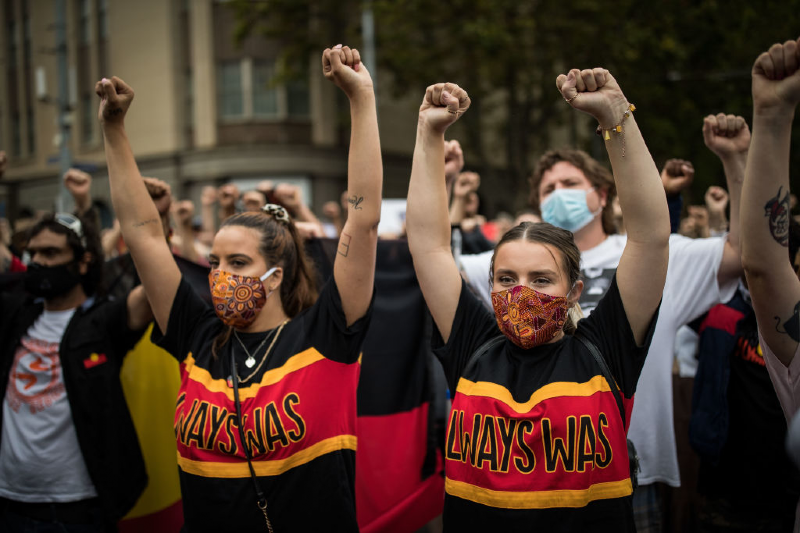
<point x="555" y="450"/>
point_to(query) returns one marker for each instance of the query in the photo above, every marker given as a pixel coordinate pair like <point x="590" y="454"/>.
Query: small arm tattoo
<point x="355" y="201"/>
<point x="791" y="326"/>
<point x="777" y="212"/>
<point x="116" y="111"/>
<point x="144" y="223"/>
<point x="344" y="244"/>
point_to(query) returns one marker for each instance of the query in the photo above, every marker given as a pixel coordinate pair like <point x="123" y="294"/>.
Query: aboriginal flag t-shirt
<point x="299" y="418"/>
<point x="535" y="441"/>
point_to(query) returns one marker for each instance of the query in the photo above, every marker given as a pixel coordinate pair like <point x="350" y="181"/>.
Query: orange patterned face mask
<point x="528" y="317"/>
<point x="237" y="299"/>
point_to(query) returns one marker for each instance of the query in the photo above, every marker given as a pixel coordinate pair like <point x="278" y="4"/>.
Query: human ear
<point x="575" y="293"/>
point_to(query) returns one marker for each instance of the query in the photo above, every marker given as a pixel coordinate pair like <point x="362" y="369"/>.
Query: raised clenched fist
<point x="442" y="105"/>
<point x="115" y="99"/>
<point x="467" y="182"/>
<point x="160" y="192"/>
<point x="676" y="176"/>
<point x="596" y="92"/>
<point x="716" y="199"/>
<point x="184" y="211"/>
<point x="208" y="196"/>
<point x="342" y="65"/>
<point x="77" y="182"/>
<point x="228" y="195"/>
<point x="776" y="78"/>
<point x="726" y="135"/>
<point x="453" y="159"/>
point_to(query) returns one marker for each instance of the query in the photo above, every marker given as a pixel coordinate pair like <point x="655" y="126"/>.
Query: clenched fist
<point x="716" y="199"/>
<point x="776" y="78"/>
<point x="596" y="92"/>
<point x="115" y="99"/>
<point x="442" y="105"/>
<point x="726" y="135"/>
<point x="453" y="159"/>
<point x="342" y="65"/>
<point x="676" y="176"/>
<point x="77" y="182"/>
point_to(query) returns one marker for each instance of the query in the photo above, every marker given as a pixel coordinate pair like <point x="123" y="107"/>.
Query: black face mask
<point x="51" y="281"/>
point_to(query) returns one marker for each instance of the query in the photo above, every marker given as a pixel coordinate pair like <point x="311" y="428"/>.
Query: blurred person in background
<point x="69" y="455"/>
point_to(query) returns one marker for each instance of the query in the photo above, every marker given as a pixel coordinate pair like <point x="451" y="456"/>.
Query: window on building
<point x="229" y="89"/>
<point x="246" y="90"/>
<point x="265" y="95"/>
<point x="297" y="96"/>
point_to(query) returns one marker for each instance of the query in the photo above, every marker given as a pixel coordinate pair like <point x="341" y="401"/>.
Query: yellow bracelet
<point x="606" y="134"/>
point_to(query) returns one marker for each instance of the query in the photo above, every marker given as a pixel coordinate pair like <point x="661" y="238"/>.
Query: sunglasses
<point x="72" y="223"/>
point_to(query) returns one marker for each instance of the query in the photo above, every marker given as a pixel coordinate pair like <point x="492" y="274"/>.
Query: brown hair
<point x="281" y="246"/>
<point x="598" y="175"/>
<point x="563" y="241"/>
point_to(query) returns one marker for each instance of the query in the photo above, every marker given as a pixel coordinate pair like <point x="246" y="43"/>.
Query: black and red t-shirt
<point x="535" y="440"/>
<point x="299" y="414"/>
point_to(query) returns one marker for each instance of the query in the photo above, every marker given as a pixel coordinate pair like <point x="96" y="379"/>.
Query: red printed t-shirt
<point x="299" y="414"/>
<point x="535" y="439"/>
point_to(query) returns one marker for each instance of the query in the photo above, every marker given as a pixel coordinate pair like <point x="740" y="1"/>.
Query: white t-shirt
<point x="690" y="290"/>
<point x="40" y="459"/>
<point x="786" y="380"/>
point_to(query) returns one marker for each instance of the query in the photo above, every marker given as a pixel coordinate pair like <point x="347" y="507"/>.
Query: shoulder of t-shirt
<point x="606" y="254"/>
<point x="329" y="303"/>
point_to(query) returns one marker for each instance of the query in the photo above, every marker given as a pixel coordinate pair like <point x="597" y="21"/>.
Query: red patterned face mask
<point x="528" y="317"/>
<point x="237" y="299"/>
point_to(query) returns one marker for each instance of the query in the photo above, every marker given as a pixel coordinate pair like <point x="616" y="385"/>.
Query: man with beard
<point x="69" y="454"/>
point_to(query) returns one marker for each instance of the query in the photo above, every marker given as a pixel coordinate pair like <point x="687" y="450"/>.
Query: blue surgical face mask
<point x="567" y="209"/>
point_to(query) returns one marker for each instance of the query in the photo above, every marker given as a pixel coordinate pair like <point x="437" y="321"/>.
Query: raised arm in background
<point x="427" y="217"/>
<point x="771" y="279"/>
<point x="465" y="184"/>
<point x="729" y="138"/>
<point x="139" y="219"/>
<point x="354" y="267"/>
<point x="642" y="268"/>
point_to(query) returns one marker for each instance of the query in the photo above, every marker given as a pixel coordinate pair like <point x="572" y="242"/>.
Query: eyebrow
<point x="232" y="256"/>
<point x="542" y="272"/>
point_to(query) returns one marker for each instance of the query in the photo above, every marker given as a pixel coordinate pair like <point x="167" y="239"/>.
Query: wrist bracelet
<point x="606" y="133"/>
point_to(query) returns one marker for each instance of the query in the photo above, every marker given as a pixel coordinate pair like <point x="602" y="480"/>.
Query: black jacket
<point x="103" y="424"/>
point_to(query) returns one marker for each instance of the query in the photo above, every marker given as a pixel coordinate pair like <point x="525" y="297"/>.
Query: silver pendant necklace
<point x="250" y="362"/>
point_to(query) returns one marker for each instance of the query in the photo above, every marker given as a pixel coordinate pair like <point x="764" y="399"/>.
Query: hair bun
<point x="276" y="211"/>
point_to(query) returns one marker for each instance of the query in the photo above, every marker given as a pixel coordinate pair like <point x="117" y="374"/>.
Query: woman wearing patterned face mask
<point x="537" y="431"/>
<point x="265" y="417"/>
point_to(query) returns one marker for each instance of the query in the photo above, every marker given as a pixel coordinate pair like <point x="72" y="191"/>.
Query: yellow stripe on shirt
<point x="551" y="390"/>
<point x="267" y="468"/>
<point x="545" y="499"/>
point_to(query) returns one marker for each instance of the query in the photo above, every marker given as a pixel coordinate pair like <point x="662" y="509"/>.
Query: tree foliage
<point x="677" y="60"/>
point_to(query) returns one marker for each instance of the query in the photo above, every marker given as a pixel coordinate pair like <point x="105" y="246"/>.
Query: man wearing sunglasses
<point x="69" y="455"/>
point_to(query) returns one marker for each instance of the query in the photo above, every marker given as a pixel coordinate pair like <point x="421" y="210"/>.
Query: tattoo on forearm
<point x="777" y="212"/>
<point x="140" y="224"/>
<point x="791" y="326"/>
<point x="355" y="201"/>
<point x="115" y="111"/>
<point x="344" y="244"/>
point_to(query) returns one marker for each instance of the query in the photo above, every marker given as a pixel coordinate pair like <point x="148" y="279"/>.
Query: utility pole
<point x="368" y="34"/>
<point x="64" y="200"/>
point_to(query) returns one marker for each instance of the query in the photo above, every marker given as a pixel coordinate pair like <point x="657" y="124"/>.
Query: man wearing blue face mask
<point x="573" y="191"/>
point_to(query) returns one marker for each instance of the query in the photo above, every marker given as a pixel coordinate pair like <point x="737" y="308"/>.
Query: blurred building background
<point x="205" y="111"/>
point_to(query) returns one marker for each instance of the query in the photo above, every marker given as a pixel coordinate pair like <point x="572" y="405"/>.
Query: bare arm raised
<point x="354" y="267"/>
<point x="139" y="219"/>
<point x="643" y="266"/>
<point x="729" y="138"/>
<point x="765" y="199"/>
<point x="427" y="218"/>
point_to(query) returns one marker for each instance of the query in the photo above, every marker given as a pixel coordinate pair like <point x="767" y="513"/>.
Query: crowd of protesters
<point x="607" y="311"/>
